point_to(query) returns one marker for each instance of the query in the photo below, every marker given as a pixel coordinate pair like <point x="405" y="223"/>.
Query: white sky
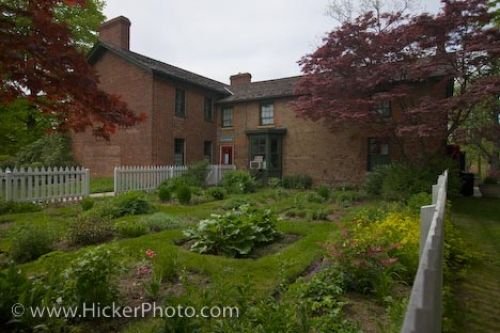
<point x="218" y="38"/>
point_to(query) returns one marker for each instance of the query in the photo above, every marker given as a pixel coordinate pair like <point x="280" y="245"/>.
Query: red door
<point x="226" y="155"/>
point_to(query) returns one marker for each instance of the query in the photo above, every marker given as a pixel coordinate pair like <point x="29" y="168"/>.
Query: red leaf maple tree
<point x="38" y="62"/>
<point x="373" y="60"/>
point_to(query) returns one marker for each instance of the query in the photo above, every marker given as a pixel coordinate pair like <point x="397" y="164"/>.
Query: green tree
<point x="83" y="21"/>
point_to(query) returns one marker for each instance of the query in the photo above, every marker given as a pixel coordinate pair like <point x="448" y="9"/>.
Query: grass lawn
<point x="101" y="184"/>
<point x="478" y="221"/>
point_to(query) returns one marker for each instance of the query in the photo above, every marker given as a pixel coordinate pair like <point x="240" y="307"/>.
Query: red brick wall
<point x="130" y="146"/>
<point x="193" y="128"/>
<point x="335" y="157"/>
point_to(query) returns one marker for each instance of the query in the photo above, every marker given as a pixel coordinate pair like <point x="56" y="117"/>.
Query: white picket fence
<point x="44" y="184"/>
<point x="149" y="178"/>
<point x="424" y="311"/>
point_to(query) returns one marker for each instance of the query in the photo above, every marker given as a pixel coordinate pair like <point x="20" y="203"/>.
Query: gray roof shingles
<point x="162" y="68"/>
<point x="262" y="90"/>
<point x="248" y="92"/>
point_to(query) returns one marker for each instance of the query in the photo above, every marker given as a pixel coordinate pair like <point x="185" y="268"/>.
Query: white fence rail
<point x="44" y="184"/>
<point x="149" y="178"/>
<point x="424" y="312"/>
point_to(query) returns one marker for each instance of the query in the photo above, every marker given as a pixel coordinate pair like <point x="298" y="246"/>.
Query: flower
<point x="150" y="253"/>
<point x="143" y="270"/>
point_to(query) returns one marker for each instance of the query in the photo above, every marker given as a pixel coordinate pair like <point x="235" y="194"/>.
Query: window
<point x="227" y="117"/>
<point x="267" y="114"/>
<point x="179" y="151"/>
<point x="180" y="103"/>
<point x="207" y="109"/>
<point x="384" y="109"/>
<point x="208" y="151"/>
<point x="378" y="153"/>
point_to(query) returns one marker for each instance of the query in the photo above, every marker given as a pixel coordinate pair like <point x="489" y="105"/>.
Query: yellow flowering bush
<point x="398" y="231"/>
<point x="379" y="245"/>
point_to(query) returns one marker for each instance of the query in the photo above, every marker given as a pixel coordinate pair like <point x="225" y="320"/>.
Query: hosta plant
<point x="235" y="233"/>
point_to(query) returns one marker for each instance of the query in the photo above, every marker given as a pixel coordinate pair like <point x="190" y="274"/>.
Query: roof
<point x="159" y="67"/>
<point x="262" y="90"/>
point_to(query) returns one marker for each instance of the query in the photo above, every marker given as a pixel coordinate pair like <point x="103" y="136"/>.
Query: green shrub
<point x="92" y="279"/>
<point x="160" y="221"/>
<point x="104" y="208"/>
<point x="197" y="174"/>
<point x="274" y="182"/>
<point x="235" y="233"/>
<point x="347" y="198"/>
<point x="218" y="193"/>
<point x="238" y="182"/>
<point x="87" y="204"/>
<point x="418" y="200"/>
<point x="11" y="207"/>
<point x="324" y="192"/>
<point x="12" y="284"/>
<point x="301" y="182"/>
<point x="375" y="179"/>
<point x="164" y="193"/>
<point x="30" y="241"/>
<point x="320" y="214"/>
<point x="314" y="197"/>
<point x="90" y="228"/>
<point x="49" y="151"/>
<point x="296" y="213"/>
<point x="401" y="180"/>
<point x="183" y="194"/>
<point x="131" y="229"/>
<point x="131" y="203"/>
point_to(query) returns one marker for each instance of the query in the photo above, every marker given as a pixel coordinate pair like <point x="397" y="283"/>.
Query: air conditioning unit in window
<point x="257" y="165"/>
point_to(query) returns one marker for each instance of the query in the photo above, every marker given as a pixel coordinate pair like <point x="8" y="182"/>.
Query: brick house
<point x="245" y="123"/>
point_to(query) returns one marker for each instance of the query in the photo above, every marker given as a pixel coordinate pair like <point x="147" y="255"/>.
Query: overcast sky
<point x="218" y="38"/>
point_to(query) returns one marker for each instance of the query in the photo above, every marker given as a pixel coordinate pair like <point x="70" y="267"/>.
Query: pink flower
<point x="150" y="253"/>
<point x="143" y="270"/>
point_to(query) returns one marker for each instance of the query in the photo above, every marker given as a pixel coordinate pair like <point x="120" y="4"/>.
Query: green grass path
<point x="478" y="295"/>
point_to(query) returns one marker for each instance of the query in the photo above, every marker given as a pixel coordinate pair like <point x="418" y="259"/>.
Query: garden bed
<point x="261" y="251"/>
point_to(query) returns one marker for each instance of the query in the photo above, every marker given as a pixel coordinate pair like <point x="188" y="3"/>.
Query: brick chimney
<point x="241" y="79"/>
<point x="116" y="32"/>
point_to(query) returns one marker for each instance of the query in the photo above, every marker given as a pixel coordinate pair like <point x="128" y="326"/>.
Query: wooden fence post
<point x="8" y="185"/>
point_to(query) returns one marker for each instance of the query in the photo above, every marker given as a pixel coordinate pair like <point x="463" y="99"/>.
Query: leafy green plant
<point x="218" y="193"/>
<point x="235" y="233"/>
<point x="160" y="221"/>
<point x="274" y="182"/>
<point x="131" y="229"/>
<point x="301" y="182"/>
<point x="164" y="193"/>
<point x="346" y="198"/>
<point x="238" y="182"/>
<point x="320" y="214"/>
<point x="314" y="197"/>
<point x="87" y="203"/>
<point x="131" y="203"/>
<point x="183" y="194"/>
<point x="197" y="173"/>
<point x="399" y="181"/>
<point x="30" y="241"/>
<point x="11" y="207"/>
<point x="90" y="228"/>
<point x="234" y="203"/>
<point x="49" y="151"/>
<point x="324" y="192"/>
<point x="12" y="284"/>
<point x="92" y="278"/>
